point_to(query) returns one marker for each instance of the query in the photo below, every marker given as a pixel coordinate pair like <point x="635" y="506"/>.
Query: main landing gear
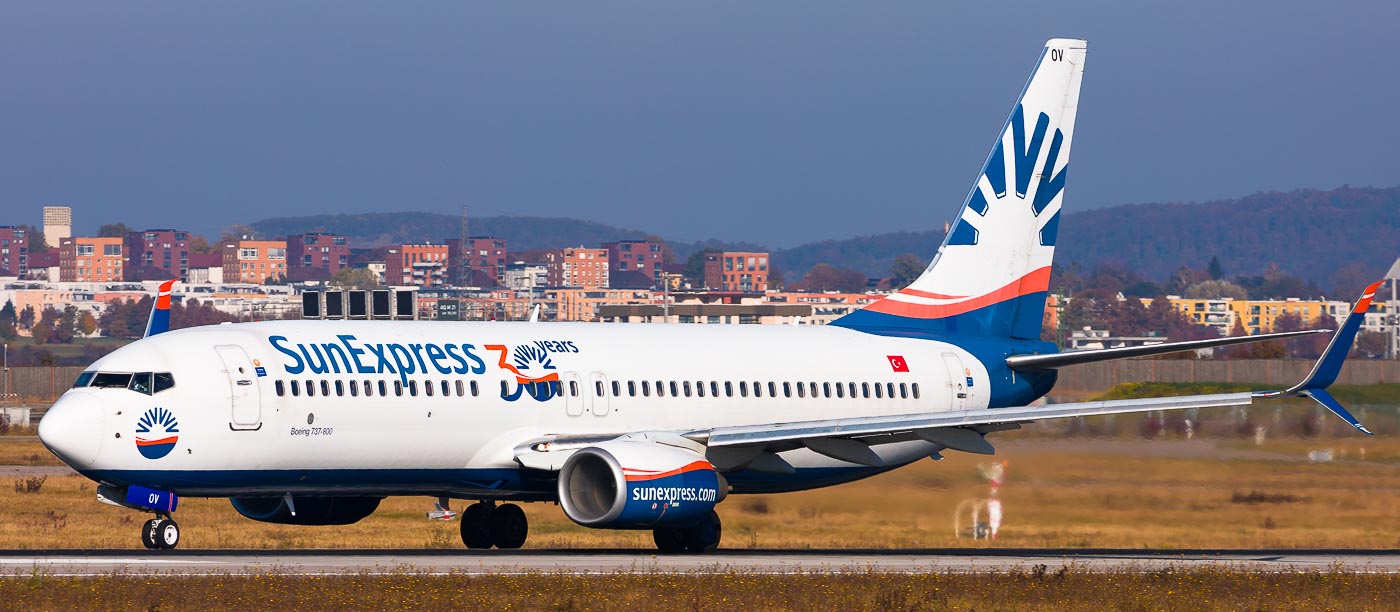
<point x="160" y="533"/>
<point x="700" y="538"/>
<point x="484" y="524"/>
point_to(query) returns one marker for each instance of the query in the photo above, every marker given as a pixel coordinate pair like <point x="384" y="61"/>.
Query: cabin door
<point x="957" y="381"/>
<point x="245" y="400"/>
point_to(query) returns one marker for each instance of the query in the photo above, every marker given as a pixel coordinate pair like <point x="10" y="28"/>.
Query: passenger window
<point x="903" y="391"/>
<point x="714" y="388"/>
<point x="555" y="386"/>
<point x="853" y="390"/>
<point x="384" y="389"/>
<point x="598" y="389"/>
<point x="354" y="388"/>
<point x="700" y="388"/>
<point x="826" y="389"/>
<point x="446" y="392"/>
<point x="83" y="379"/>
<point x="140" y="382"/>
<point x="617" y="389"/>
<point x="428" y="388"/>
<point x="573" y="388"/>
<point x="281" y="388"/>
<point x="474" y="389"/>
<point x="340" y="388"/>
<point x="325" y="388"/>
<point x="728" y="389"/>
<point x="743" y="389"/>
<point x="413" y="388"/>
<point x="685" y="385"/>
<point x="646" y="389"/>
<point x="310" y="388"/>
<point x="879" y="391"/>
<point x="461" y="388"/>
<point x="757" y="389"/>
<point x="865" y="390"/>
<point x="673" y="389"/>
<point x="840" y="390"/>
<point x="660" y="389"/>
<point x="889" y="389"/>
<point x="369" y="388"/>
<point x="398" y="388"/>
<point x="801" y="391"/>
<point x="296" y="389"/>
<point x="772" y="389"/>
<point x="787" y="389"/>
<point x="505" y="389"/>
<point x="109" y="380"/>
<point x="632" y="388"/>
<point x="813" y="388"/>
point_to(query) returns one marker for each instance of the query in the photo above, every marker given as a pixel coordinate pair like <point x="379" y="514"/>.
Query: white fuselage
<point x="246" y="423"/>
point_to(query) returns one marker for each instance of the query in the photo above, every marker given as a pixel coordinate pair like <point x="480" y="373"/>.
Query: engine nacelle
<point x="309" y="510"/>
<point x="638" y="485"/>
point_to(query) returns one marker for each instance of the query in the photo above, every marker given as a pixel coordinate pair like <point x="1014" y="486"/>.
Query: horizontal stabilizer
<point x="1051" y="361"/>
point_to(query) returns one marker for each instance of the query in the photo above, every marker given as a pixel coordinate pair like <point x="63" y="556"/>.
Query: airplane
<point x="641" y="427"/>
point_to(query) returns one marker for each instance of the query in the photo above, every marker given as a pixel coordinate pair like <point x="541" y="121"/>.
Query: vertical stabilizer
<point x="991" y="275"/>
<point x="160" y="311"/>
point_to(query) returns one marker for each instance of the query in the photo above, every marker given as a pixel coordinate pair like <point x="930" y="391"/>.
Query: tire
<point x="166" y="534"/>
<point x="476" y="526"/>
<point x="704" y="537"/>
<point x="669" y="540"/>
<point x="509" y="526"/>
<point x="148" y="534"/>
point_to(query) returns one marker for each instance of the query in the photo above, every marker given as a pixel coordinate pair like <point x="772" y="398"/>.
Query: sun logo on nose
<point x="161" y="432"/>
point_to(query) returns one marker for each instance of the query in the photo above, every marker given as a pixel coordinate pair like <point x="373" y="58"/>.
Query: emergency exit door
<point x="244" y="397"/>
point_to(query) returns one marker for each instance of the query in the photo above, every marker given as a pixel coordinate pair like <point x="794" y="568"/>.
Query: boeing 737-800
<point x="626" y="426"/>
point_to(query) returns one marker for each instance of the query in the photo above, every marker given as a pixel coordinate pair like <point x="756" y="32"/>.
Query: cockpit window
<point x="108" y="380"/>
<point x="164" y="380"/>
<point x="140" y="382"/>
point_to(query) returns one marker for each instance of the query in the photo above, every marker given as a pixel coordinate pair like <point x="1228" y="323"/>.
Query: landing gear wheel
<point x="669" y="540"/>
<point x="704" y="537"/>
<point x="165" y="533"/>
<point x="509" y="527"/>
<point x="148" y="534"/>
<point x="476" y="525"/>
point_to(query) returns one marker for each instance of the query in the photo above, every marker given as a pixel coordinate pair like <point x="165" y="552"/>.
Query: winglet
<point x="160" y="312"/>
<point x="1321" y="396"/>
<point x="1329" y="366"/>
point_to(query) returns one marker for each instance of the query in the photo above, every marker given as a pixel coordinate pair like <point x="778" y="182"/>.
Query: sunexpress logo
<point x="1023" y="157"/>
<point x="348" y="355"/>
<point x="157" y="432"/>
<point x="530" y="364"/>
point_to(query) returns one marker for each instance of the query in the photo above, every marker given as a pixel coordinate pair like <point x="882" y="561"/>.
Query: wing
<point x="850" y="439"/>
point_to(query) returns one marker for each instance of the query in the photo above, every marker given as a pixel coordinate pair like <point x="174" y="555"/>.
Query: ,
<point x="627" y="427"/>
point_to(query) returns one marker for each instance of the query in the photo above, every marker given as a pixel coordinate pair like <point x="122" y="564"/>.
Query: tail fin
<point x="991" y="275"/>
<point x="160" y="311"/>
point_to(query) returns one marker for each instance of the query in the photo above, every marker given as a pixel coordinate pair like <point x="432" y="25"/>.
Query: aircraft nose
<point x="72" y="429"/>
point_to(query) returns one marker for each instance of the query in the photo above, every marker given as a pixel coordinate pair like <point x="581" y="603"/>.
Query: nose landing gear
<point x="160" y="533"/>
<point x="484" y="524"/>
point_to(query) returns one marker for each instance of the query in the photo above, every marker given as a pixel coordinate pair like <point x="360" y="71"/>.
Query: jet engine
<point x="306" y="510"/>
<point x="638" y="485"/>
